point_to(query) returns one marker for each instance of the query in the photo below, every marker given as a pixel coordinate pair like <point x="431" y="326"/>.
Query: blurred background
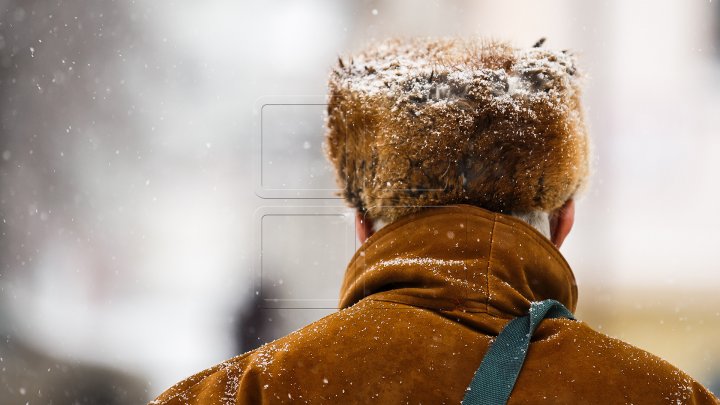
<point x="165" y="203"/>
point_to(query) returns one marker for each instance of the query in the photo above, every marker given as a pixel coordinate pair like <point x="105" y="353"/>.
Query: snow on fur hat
<point x="427" y="122"/>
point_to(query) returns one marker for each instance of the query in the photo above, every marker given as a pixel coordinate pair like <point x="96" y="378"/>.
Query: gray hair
<point x="537" y="219"/>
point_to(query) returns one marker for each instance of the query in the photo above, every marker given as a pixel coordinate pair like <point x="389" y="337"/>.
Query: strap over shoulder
<point x="495" y="379"/>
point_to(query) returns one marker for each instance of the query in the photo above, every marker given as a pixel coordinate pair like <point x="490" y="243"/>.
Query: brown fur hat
<point x="443" y="121"/>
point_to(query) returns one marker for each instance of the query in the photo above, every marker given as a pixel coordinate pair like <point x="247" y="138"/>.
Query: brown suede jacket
<point x="421" y="301"/>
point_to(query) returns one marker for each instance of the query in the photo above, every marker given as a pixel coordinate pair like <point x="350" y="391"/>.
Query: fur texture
<point x="429" y="122"/>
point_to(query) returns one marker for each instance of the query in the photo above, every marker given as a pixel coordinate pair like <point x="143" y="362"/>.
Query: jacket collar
<point x="460" y="258"/>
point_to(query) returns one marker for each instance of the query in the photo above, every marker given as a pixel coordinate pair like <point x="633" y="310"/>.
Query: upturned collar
<point x="460" y="258"/>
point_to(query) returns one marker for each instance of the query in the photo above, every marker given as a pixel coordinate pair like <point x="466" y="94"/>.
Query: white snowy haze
<point x="151" y="149"/>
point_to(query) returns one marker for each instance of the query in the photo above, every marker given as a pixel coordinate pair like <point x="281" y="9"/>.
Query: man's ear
<point x="363" y="226"/>
<point x="561" y="222"/>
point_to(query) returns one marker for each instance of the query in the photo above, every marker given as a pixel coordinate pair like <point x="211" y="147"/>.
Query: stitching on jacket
<point x="487" y="270"/>
<point x="467" y="271"/>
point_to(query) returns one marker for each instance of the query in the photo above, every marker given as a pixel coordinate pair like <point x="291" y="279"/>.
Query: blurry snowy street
<point x="151" y="149"/>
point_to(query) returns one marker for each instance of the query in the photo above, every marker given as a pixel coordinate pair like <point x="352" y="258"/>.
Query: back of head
<point x="430" y="122"/>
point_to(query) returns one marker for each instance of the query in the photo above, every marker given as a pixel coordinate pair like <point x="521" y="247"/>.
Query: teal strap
<point x="495" y="379"/>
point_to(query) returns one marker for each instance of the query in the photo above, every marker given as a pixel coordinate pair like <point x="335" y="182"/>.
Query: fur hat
<point x="443" y="121"/>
